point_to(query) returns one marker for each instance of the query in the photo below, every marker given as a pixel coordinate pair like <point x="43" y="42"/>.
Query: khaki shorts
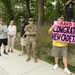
<point x="59" y="51"/>
<point x="23" y="41"/>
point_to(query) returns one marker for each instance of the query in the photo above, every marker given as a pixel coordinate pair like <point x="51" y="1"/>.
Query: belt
<point x="31" y="35"/>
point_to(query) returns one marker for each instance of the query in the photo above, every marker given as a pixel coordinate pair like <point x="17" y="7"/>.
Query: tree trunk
<point x="58" y="7"/>
<point x="40" y="12"/>
<point x="28" y="8"/>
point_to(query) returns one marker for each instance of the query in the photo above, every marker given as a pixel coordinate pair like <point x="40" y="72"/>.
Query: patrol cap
<point x="31" y="19"/>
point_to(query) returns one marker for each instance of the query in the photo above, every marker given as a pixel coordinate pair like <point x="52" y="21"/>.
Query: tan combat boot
<point x="28" y="59"/>
<point x="35" y="60"/>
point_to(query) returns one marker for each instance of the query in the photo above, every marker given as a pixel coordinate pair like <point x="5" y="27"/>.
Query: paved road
<point x="13" y="64"/>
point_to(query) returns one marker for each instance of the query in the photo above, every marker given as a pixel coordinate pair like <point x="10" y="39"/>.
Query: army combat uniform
<point x="31" y="41"/>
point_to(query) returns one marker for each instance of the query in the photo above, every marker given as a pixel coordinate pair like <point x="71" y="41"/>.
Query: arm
<point x="14" y="31"/>
<point x="25" y="30"/>
<point x="74" y="2"/>
<point x="50" y="30"/>
<point x="5" y="30"/>
<point x="68" y="2"/>
<point x="34" y="31"/>
<point x="8" y="29"/>
<point x="0" y="31"/>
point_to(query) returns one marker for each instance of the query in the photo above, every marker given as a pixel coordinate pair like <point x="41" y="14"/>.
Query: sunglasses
<point x="61" y="18"/>
<point x="30" y="20"/>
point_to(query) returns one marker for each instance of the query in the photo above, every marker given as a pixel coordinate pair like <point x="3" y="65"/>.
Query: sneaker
<point x="67" y="71"/>
<point x="5" y="52"/>
<point x="55" y="67"/>
<point x="21" y="54"/>
<point x="0" y="54"/>
<point x="11" y="51"/>
<point x="8" y="51"/>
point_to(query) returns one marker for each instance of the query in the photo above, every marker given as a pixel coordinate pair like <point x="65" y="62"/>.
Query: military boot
<point x="35" y="60"/>
<point x="28" y="59"/>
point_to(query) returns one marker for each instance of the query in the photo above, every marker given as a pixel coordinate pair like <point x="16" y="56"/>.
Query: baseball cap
<point x="22" y="16"/>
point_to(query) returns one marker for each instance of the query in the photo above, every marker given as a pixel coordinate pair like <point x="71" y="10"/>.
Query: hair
<point x="60" y="16"/>
<point x="11" y="22"/>
<point x="1" y="19"/>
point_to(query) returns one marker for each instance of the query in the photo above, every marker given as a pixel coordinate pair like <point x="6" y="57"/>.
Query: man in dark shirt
<point x="69" y="10"/>
<point x="22" y="26"/>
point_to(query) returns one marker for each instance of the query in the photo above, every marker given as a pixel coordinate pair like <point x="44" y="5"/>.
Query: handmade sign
<point x="64" y="31"/>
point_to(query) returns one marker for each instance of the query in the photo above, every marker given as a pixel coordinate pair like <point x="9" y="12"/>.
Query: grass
<point x="44" y="43"/>
<point x="50" y="60"/>
<point x="17" y="42"/>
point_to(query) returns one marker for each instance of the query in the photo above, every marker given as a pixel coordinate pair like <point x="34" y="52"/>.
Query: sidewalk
<point x="13" y="64"/>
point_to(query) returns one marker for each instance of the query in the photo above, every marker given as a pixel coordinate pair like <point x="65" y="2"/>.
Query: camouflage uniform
<point x="31" y="40"/>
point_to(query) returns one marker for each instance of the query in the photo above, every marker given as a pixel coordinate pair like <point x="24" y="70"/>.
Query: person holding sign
<point x="69" y="10"/>
<point x="59" y="48"/>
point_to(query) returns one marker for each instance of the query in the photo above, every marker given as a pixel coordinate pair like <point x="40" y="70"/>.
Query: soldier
<point x="30" y="31"/>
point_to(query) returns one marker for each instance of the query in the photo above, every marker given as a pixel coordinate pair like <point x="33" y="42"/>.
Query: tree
<point x="8" y="7"/>
<point x="28" y="8"/>
<point x="40" y="12"/>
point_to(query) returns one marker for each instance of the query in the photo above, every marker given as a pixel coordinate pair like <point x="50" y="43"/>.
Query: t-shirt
<point x="22" y="26"/>
<point x="59" y="43"/>
<point x="69" y="7"/>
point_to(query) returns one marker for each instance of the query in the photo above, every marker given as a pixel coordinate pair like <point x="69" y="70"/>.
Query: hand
<point x="27" y="33"/>
<point x="2" y="30"/>
<point x="11" y="36"/>
<point x="23" y="36"/>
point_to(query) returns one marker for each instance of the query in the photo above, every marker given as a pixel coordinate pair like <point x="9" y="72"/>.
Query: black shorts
<point x="3" y="41"/>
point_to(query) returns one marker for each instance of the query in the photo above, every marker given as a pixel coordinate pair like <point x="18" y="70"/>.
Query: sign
<point x="64" y="31"/>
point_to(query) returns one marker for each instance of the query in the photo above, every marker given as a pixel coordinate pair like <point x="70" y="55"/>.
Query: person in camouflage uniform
<point x="30" y="31"/>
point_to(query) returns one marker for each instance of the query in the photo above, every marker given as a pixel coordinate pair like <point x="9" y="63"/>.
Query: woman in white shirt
<point x="11" y="36"/>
